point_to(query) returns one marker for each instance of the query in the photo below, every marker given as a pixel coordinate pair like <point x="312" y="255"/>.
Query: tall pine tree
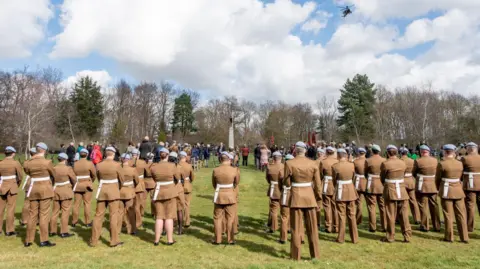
<point x="183" y="115"/>
<point x="356" y="107"/>
<point x="87" y="101"/>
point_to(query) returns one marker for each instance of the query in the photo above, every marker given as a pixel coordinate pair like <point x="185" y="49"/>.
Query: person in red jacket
<point x="245" y="151"/>
<point x="96" y="155"/>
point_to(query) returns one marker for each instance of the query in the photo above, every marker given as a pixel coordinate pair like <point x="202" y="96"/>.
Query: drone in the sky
<point x="346" y="10"/>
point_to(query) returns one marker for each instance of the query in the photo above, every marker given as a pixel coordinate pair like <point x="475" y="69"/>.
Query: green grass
<point x="255" y="248"/>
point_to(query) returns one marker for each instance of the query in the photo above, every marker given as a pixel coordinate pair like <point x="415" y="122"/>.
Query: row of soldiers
<point x="123" y="188"/>
<point x="301" y="187"/>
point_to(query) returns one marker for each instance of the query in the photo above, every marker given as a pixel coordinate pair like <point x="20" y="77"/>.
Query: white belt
<point x="408" y="175"/>
<point x="186" y="179"/>
<point x="60" y="184"/>
<point x="33" y="180"/>
<point x="104" y="181"/>
<point x="340" y="184"/>
<point x="2" y="178"/>
<point x="446" y="184"/>
<point x="397" y="183"/>
<point x="326" y="179"/>
<point x="25" y="182"/>
<point x="357" y="180"/>
<point x="78" y="179"/>
<point x="141" y="176"/>
<point x="221" y="186"/>
<point x="470" y="178"/>
<point x="301" y="185"/>
<point x="157" y="188"/>
<point x="370" y="179"/>
<point x="420" y="180"/>
<point x="128" y="183"/>
<point x="285" y="192"/>
<point x="272" y="187"/>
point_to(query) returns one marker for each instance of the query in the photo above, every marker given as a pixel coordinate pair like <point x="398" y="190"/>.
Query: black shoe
<point x="156" y="243"/>
<point x="27" y="245"/>
<point x="171" y="243"/>
<point x="52" y="234"/>
<point x="11" y="234"/>
<point x="233" y="243"/>
<point x="281" y="242"/>
<point x="187" y="226"/>
<point x="423" y="230"/>
<point x="22" y="224"/>
<point x="73" y="225"/>
<point x="372" y="231"/>
<point x="65" y="235"/>
<point x="47" y="244"/>
<point x="89" y="225"/>
<point x="269" y="231"/>
<point x="134" y="233"/>
<point x="215" y="243"/>
<point x="326" y="231"/>
<point x="463" y="241"/>
<point x="385" y="240"/>
<point x="119" y="244"/>
<point x="445" y="240"/>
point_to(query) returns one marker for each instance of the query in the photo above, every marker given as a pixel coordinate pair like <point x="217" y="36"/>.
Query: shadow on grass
<point x="208" y="197"/>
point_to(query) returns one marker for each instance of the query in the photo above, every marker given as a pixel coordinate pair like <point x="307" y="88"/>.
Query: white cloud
<point x="101" y="77"/>
<point x="317" y="23"/>
<point x="22" y="26"/>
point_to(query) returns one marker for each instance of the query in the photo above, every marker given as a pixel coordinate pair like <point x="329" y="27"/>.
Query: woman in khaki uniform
<point x="63" y="195"/>
<point x="83" y="188"/>
<point x="126" y="207"/>
<point x="273" y="192"/>
<point x="328" y="190"/>
<point x="360" y="182"/>
<point x="165" y="174"/>
<point x="140" y="191"/>
<point x="345" y="196"/>
<point x="173" y="158"/>
<point x="374" y="190"/>
<point x="449" y="173"/>
<point x="188" y="177"/>
<point x="410" y="185"/>
<point x="149" y="183"/>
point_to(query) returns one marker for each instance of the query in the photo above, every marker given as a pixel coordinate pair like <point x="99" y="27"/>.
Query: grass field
<point x="254" y="249"/>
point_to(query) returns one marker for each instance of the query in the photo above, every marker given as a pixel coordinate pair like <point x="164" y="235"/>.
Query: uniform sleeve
<point x="438" y="175"/>
<point x="192" y="175"/>
<point x="334" y="176"/>
<point x="120" y="177"/>
<point x="51" y="171"/>
<point x="214" y="182"/>
<point x="383" y="172"/>
<point x="237" y="178"/>
<point x="93" y="172"/>
<point x="19" y="172"/>
<point x="266" y="175"/>
<point x="136" y="179"/>
<point x="320" y="169"/>
<point x="72" y="176"/>
<point x="317" y="184"/>
<point x="415" y="169"/>
<point x="287" y="176"/>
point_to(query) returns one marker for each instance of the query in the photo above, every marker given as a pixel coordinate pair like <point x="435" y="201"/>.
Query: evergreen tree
<point x="87" y="101"/>
<point x="183" y="114"/>
<point x="356" y="107"/>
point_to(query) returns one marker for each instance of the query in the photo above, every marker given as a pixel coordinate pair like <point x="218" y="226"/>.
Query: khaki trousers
<point x="285" y="224"/>
<point x="455" y="209"/>
<point x="319" y="212"/>
<point x="186" y="214"/>
<point x="310" y="217"/>
<point x="38" y="209"/>
<point x="8" y="202"/>
<point x="139" y="205"/>
<point x="150" y="194"/>
<point x="393" y="208"/>
<point x="273" y="214"/>
<point x="126" y="214"/>
<point x="414" y="209"/>
<point x="64" y="206"/>
<point x="372" y="201"/>
<point x="331" y="216"/>
<point x="428" y="202"/>
<point x="86" y="198"/>
<point x="221" y="214"/>
<point x="359" y="205"/>
<point x="347" y="211"/>
<point x="99" y="218"/>
<point x="25" y="210"/>
<point x="470" y="201"/>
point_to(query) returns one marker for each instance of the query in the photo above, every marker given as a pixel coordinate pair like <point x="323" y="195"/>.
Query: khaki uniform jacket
<point x="108" y="170"/>
<point x="165" y="172"/>
<point x="226" y="174"/>
<point x="393" y="169"/>
<point x="130" y="174"/>
<point x="64" y="173"/>
<point x="426" y="166"/>
<point x="10" y="167"/>
<point x="147" y="178"/>
<point x="360" y="164"/>
<point x="373" y="167"/>
<point x="325" y="169"/>
<point x="39" y="167"/>
<point x="450" y="168"/>
<point x="272" y="173"/>
<point x="187" y="176"/>
<point x="84" y="167"/>
<point x="344" y="170"/>
<point x="303" y="170"/>
<point x="471" y="163"/>
<point x="409" y="180"/>
<point x="141" y="167"/>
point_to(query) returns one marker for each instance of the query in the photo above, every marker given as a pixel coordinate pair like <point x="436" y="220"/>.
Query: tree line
<point x="37" y="106"/>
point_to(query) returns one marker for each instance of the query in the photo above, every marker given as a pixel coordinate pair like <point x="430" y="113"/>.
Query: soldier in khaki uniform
<point x="40" y="194"/>
<point x="302" y="175"/>
<point x="374" y="190"/>
<point x="65" y="178"/>
<point x="328" y="190"/>
<point x="320" y="156"/>
<point x="410" y="185"/>
<point x="225" y="179"/>
<point x="360" y="182"/>
<point x="165" y="174"/>
<point x="345" y="196"/>
<point x="424" y="170"/>
<point x="109" y="173"/>
<point x="188" y="177"/>
<point x="149" y="183"/>
<point x="395" y="194"/>
<point x="26" y="202"/>
<point x="83" y="187"/>
<point x="273" y="192"/>
<point x="11" y="174"/>
<point x="173" y="158"/>
<point x="126" y="207"/>
<point x="448" y="175"/>
<point x="471" y="182"/>
<point x="140" y="191"/>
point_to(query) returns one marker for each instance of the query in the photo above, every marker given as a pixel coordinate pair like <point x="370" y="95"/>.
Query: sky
<point x="289" y="50"/>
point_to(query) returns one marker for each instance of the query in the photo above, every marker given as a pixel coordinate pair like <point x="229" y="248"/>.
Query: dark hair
<point x="375" y="151"/>
<point x="172" y="159"/>
<point x="83" y="154"/>
<point x="9" y="153"/>
<point x="392" y="152"/>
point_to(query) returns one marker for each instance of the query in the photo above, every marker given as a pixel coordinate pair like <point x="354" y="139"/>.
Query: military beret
<point x="289" y="157"/>
<point x="472" y="145"/>
<point x="449" y="147"/>
<point x="42" y="145"/>
<point x="362" y="150"/>
<point x="331" y="149"/>
<point x="389" y="147"/>
<point x="173" y="154"/>
<point x="135" y="151"/>
<point x="112" y="149"/>
<point x="376" y="147"/>
<point x="340" y="151"/>
<point x="126" y="156"/>
<point x="300" y="144"/>
<point x="224" y="153"/>
<point x="404" y="150"/>
<point x="276" y="154"/>
<point x="150" y="155"/>
<point x="183" y="154"/>
<point x="164" y="150"/>
<point x="84" y="151"/>
<point x="320" y="150"/>
<point x="63" y="156"/>
<point x="424" y="147"/>
<point x="33" y="150"/>
<point x="10" y="149"/>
